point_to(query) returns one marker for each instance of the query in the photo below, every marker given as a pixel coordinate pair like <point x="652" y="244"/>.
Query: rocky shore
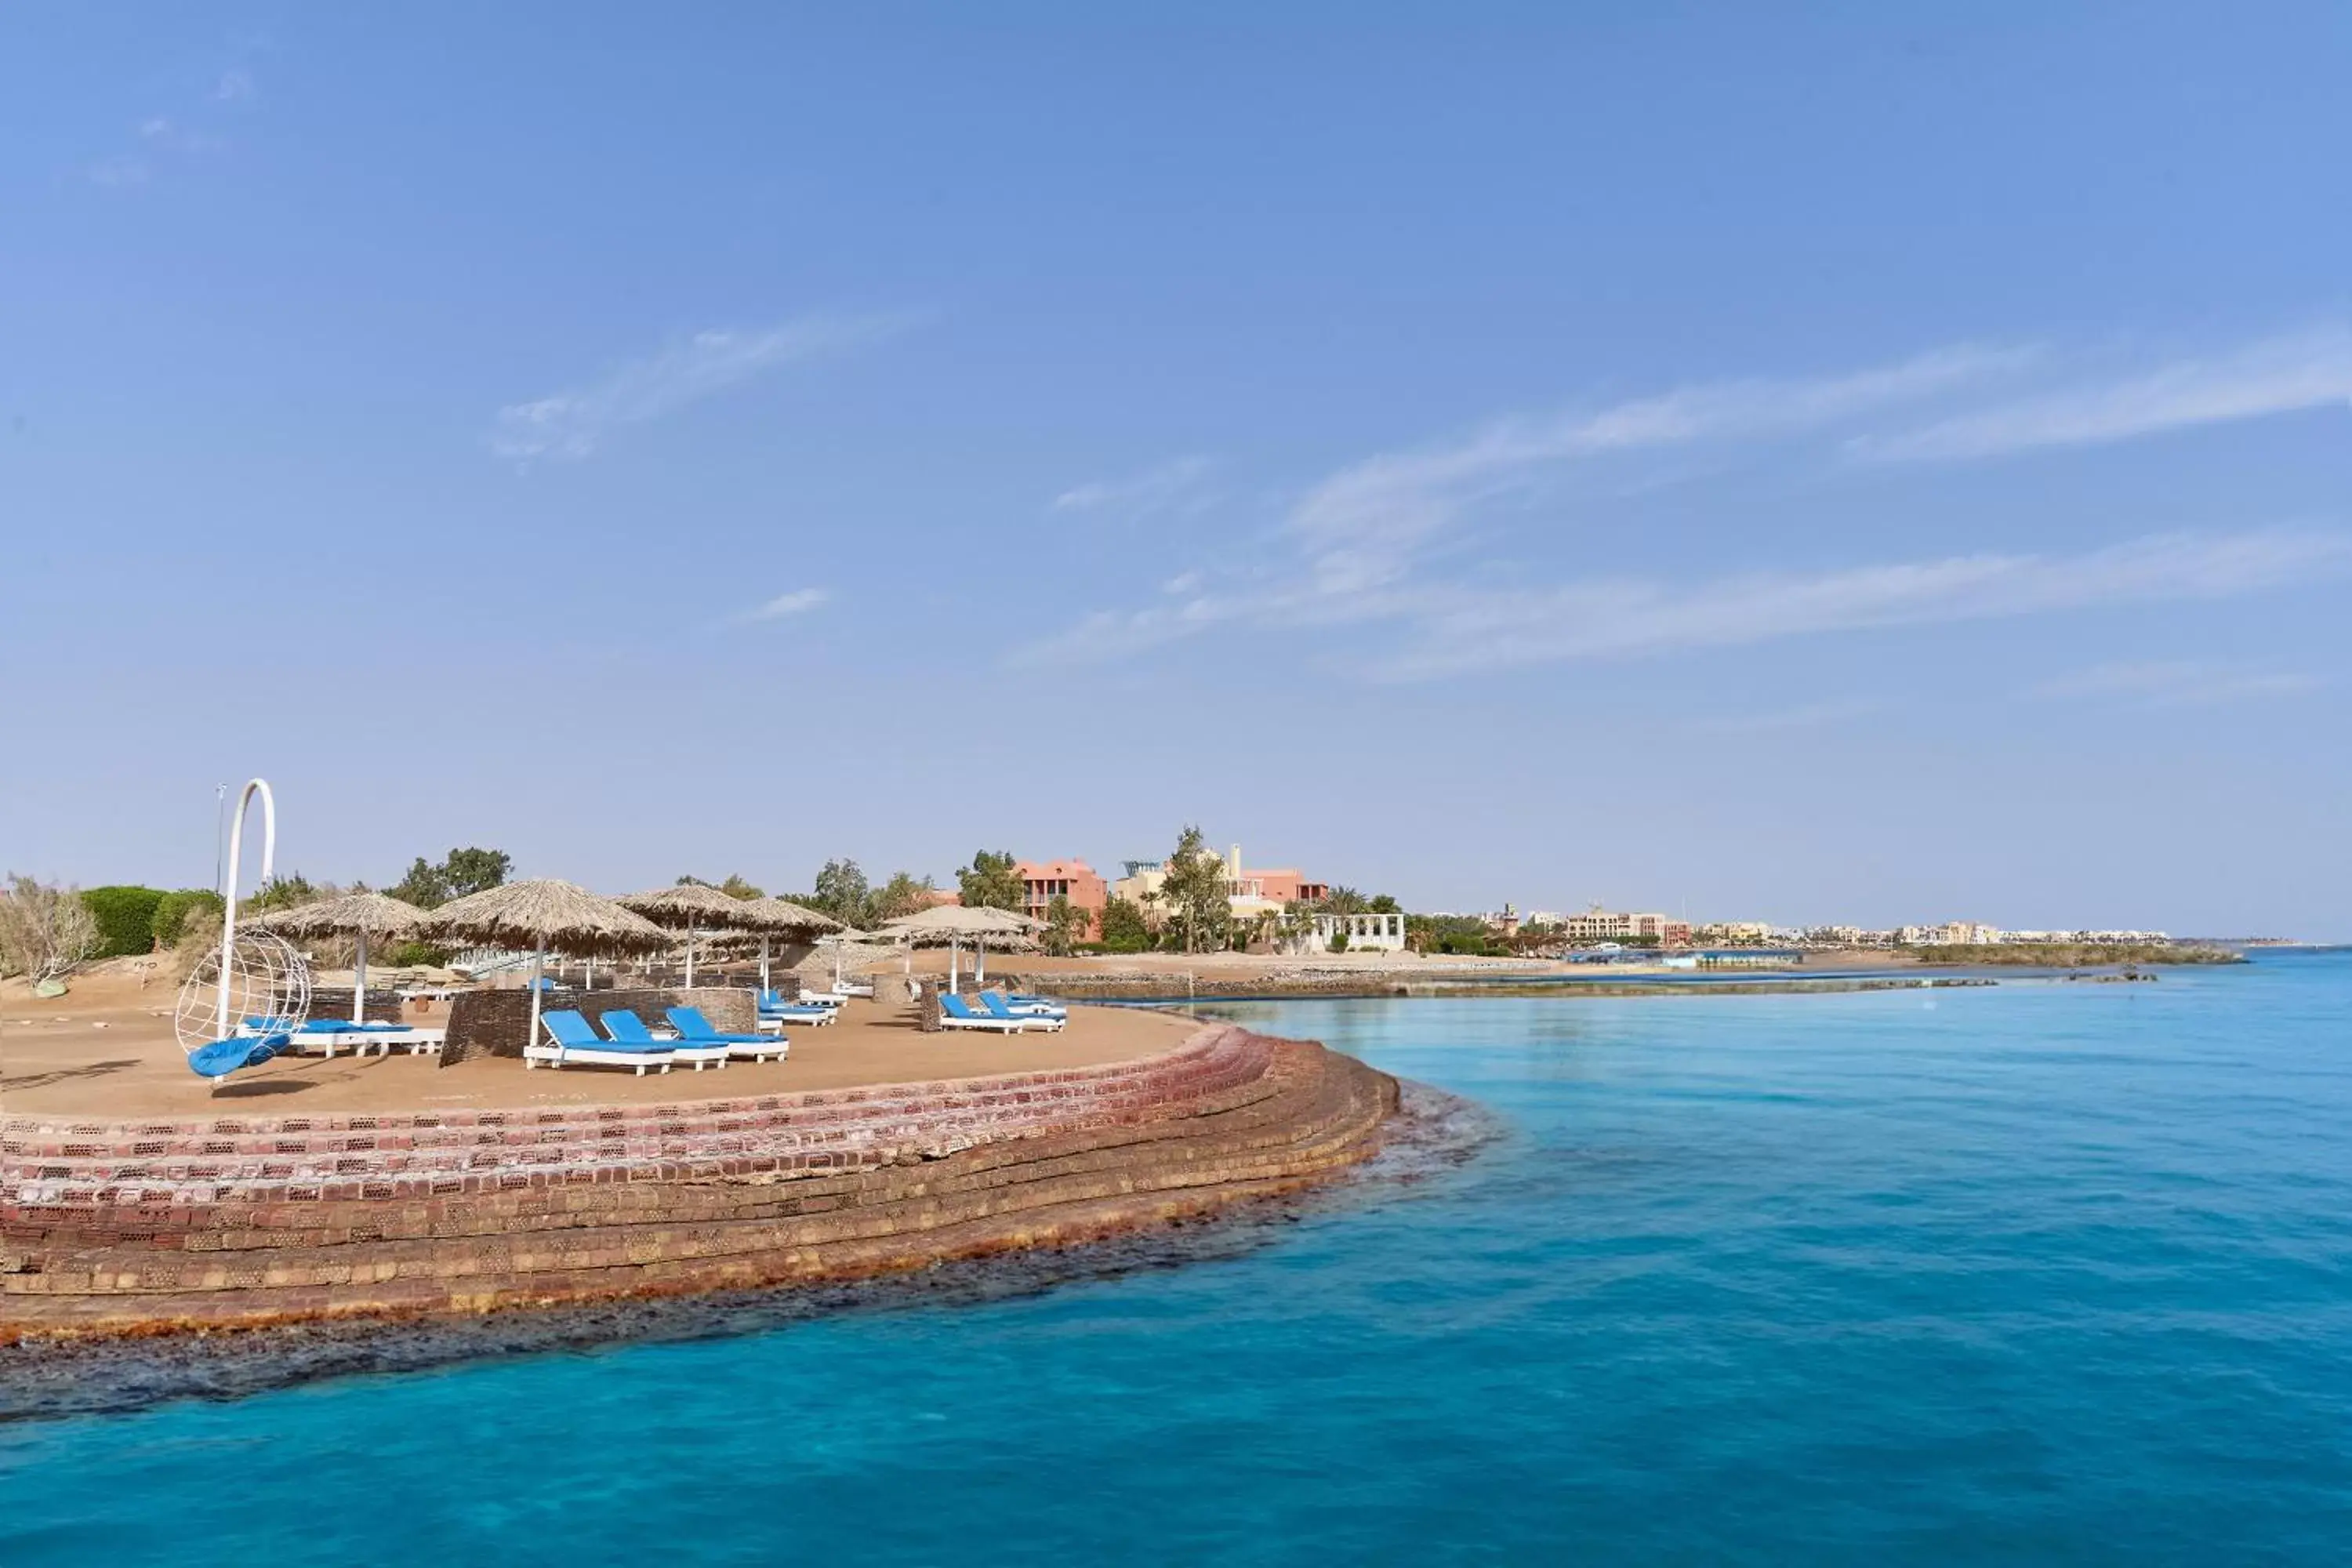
<point x="123" y="1229"/>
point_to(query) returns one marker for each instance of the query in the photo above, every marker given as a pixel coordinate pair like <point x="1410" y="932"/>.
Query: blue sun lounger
<point x="218" y="1058"/>
<point x="694" y="1029"/>
<point x="331" y="1035"/>
<point x="955" y="1013"/>
<point x="995" y="1004"/>
<point x="574" y="1042"/>
<point x="774" y="1009"/>
<point x="627" y="1029"/>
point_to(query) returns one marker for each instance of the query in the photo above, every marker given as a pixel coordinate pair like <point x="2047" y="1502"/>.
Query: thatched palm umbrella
<point x="546" y="916"/>
<point x="359" y="915"/>
<point x="796" y="920"/>
<point x="694" y="909"/>
<point x="951" y="923"/>
<point x="838" y="941"/>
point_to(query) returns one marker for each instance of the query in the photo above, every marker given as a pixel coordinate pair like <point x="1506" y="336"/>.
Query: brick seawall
<point x="232" y="1221"/>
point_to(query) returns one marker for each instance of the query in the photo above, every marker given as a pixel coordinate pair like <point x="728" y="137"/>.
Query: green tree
<point x="841" y="892"/>
<point x="125" y="917"/>
<point x="461" y="872"/>
<point x="1345" y="901"/>
<point x="424" y="885"/>
<point x="992" y="882"/>
<point x="1382" y="904"/>
<point x="1065" y="925"/>
<point x="476" y="870"/>
<point x="1124" y="927"/>
<point x="901" y="896"/>
<point x="736" y="886"/>
<point x="1196" y="892"/>
<point x="171" y="911"/>
<point x="286" y="892"/>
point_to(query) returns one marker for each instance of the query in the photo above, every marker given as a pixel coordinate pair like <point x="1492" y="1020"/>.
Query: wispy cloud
<point x="1474" y="631"/>
<point x="1455" y="629"/>
<point x="1174" y="488"/>
<point x="2174" y="683"/>
<point x="162" y="140"/>
<point x="1808" y="716"/>
<point x="2280" y="376"/>
<point x="1377" y="541"/>
<point x="1363" y="523"/>
<point x="569" y="425"/>
<point x="122" y="169"/>
<point x="798" y="602"/>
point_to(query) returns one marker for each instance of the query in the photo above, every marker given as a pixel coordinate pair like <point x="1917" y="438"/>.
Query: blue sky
<point x="1817" y="466"/>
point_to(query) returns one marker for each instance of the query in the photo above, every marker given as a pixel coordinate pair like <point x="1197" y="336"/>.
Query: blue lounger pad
<point x="222" y="1057"/>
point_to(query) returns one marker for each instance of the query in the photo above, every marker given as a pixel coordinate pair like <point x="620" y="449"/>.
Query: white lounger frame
<point x="1000" y="1026"/>
<point x="420" y="1042"/>
<point x="761" y="1050"/>
<point x="590" y="1057"/>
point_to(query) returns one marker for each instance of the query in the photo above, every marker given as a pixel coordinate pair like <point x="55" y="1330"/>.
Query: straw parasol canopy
<point x="797" y="922"/>
<point x="357" y="915"/>
<point x="545" y="916"/>
<point x="948" y="924"/>
<point x="798" y="919"/>
<point x="839" y="939"/>
<point x="694" y="909"/>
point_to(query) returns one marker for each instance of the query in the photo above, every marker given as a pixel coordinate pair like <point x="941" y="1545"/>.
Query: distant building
<point x="1250" y="891"/>
<point x="1043" y="881"/>
<point x="1952" y="933"/>
<point x="1603" y="925"/>
<point x="1365" y="933"/>
<point x="2103" y="938"/>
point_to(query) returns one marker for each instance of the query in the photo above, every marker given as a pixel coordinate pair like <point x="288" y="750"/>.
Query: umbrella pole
<point x="359" y="984"/>
<point x="538" y="956"/>
<point x="689" y="958"/>
<point x="952" y="954"/>
<point x="979" y="960"/>
<point x="764" y="963"/>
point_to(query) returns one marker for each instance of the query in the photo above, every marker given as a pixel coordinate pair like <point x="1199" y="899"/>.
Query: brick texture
<point x="119" y="1228"/>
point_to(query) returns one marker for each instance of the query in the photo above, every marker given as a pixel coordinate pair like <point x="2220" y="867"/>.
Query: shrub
<point x="125" y="917"/>
<point x="45" y="931"/>
<point x="1338" y="941"/>
<point x="171" y="911"/>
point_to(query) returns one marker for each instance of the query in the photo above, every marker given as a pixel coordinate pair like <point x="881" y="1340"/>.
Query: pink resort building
<point x="1041" y="881"/>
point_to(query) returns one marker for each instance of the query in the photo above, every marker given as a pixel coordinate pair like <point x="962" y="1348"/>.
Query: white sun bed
<point x="415" y="1042"/>
<point x="576" y="1044"/>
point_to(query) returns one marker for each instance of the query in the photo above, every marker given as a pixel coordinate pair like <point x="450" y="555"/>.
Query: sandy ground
<point x="106" y="1051"/>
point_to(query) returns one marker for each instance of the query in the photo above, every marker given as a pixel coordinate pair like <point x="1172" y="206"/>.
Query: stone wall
<point x="119" y="1227"/>
<point x="335" y="1002"/>
<point x="497" y="1023"/>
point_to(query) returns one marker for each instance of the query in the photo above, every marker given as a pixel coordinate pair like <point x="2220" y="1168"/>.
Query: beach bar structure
<point x="1365" y="933"/>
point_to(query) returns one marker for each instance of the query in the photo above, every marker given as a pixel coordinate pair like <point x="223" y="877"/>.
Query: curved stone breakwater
<point x="140" y="1227"/>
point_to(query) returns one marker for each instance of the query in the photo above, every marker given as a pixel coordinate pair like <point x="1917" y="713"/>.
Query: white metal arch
<point x="269" y="863"/>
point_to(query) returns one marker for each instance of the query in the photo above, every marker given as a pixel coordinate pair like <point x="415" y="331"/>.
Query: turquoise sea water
<point x="2033" y="1273"/>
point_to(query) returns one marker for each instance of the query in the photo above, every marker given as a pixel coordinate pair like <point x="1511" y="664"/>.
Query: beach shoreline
<point x="128" y="1228"/>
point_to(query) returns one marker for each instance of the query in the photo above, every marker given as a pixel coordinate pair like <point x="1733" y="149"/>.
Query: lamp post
<point x="220" y="828"/>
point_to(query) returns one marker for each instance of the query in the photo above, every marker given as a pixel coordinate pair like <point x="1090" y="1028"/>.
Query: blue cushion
<point x="221" y="1058"/>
